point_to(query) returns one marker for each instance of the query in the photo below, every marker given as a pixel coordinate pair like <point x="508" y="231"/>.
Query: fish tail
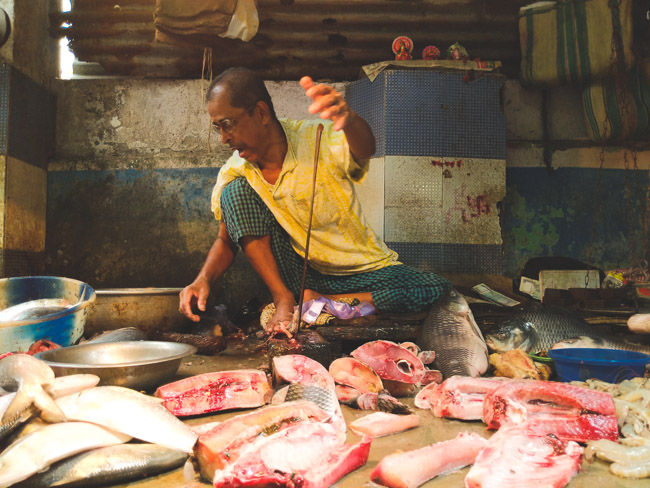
<point x="21" y="402"/>
<point x="50" y="411"/>
<point x="32" y="393"/>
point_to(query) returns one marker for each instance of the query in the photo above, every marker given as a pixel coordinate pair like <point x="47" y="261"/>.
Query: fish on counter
<point x="459" y="397"/>
<point x="110" y="465"/>
<point x="513" y="457"/>
<point x="629" y="458"/>
<point x="216" y="391"/>
<point x="568" y="412"/>
<point x="538" y="328"/>
<point x="296" y="368"/>
<point x="222" y="445"/>
<point x="118" y="335"/>
<point x="379" y="424"/>
<point x="305" y="454"/>
<point x="27" y="376"/>
<point x="53" y="442"/>
<point x="390" y="361"/>
<point x="130" y="412"/>
<point x="517" y="364"/>
<point x="63" y="385"/>
<point x="34" y="309"/>
<point x="410" y="469"/>
<point x="358" y="386"/>
<point x="450" y="330"/>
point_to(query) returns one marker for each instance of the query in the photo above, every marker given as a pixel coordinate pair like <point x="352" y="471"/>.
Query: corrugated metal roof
<point x="329" y="39"/>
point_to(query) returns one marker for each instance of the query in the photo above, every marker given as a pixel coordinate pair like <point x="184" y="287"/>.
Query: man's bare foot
<point x="282" y="320"/>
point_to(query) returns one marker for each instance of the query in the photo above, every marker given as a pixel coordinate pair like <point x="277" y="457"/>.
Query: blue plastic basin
<point x="63" y="328"/>
<point x="610" y="365"/>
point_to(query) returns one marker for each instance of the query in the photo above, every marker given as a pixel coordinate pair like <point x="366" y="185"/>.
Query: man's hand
<point x="326" y="101"/>
<point x="194" y="294"/>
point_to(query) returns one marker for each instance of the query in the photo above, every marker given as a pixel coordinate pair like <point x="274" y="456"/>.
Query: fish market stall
<point x="430" y="430"/>
<point x="418" y="423"/>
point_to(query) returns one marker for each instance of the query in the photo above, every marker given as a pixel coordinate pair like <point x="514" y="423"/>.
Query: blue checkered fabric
<point x="394" y="289"/>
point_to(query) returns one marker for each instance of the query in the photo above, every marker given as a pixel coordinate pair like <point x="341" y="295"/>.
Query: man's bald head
<point x="244" y="89"/>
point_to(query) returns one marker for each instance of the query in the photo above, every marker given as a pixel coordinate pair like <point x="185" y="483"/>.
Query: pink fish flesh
<point x="379" y="424"/>
<point x="305" y="455"/>
<point x="411" y="469"/>
<point x="390" y="361"/>
<point x="431" y="376"/>
<point x="222" y="445"/>
<point x="296" y="368"/>
<point x="514" y="458"/>
<point x="354" y="373"/>
<point x="180" y="387"/>
<point x="460" y="397"/>
<point x="569" y="412"/>
<point x="211" y="392"/>
<point x="423" y="398"/>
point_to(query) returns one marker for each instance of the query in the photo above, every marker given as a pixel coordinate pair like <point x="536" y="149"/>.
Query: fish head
<point x="512" y="334"/>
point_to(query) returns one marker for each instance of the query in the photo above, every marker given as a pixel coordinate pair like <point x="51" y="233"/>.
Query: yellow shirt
<point x="341" y="241"/>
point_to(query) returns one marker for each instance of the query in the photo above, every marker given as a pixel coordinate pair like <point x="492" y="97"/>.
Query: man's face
<point x="239" y="127"/>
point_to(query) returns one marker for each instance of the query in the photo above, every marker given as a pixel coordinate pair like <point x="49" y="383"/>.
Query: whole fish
<point x="27" y="375"/>
<point x="59" y="387"/>
<point x="451" y="331"/>
<point x="34" y="309"/>
<point x="108" y="466"/>
<point x="119" y="335"/>
<point x="40" y="449"/>
<point x="130" y="412"/>
<point x="538" y="328"/>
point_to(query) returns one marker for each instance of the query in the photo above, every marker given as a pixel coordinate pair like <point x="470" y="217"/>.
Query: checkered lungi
<point x="395" y="289"/>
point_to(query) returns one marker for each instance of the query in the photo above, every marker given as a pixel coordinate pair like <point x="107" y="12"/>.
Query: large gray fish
<point x="538" y="328"/>
<point x="108" y="466"/>
<point x="451" y="331"/>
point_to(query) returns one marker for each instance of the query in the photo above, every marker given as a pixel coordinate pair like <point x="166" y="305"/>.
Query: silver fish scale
<point x="552" y="325"/>
<point x="451" y="331"/>
<point x="108" y="466"/>
<point x="325" y="399"/>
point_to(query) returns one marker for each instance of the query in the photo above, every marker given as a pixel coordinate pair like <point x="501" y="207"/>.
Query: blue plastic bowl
<point x="610" y="365"/>
<point x="63" y="328"/>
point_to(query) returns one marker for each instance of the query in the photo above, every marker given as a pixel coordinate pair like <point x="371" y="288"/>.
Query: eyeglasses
<point x="228" y="125"/>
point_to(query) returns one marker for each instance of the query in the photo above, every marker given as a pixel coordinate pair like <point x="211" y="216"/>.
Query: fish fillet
<point x="461" y="397"/>
<point x="379" y="424"/>
<point x="305" y="454"/>
<point x="513" y="458"/>
<point x="221" y="445"/>
<point x="570" y="412"/>
<point x="213" y="392"/>
<point x="296" y="368"/>
<point x="411" y="469"/>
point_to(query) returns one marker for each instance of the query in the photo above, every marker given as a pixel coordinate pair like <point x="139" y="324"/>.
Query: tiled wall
<point x="441" y="151"/>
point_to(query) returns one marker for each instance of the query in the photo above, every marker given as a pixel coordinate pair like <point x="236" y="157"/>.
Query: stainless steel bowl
<point x="141" y="365"/>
